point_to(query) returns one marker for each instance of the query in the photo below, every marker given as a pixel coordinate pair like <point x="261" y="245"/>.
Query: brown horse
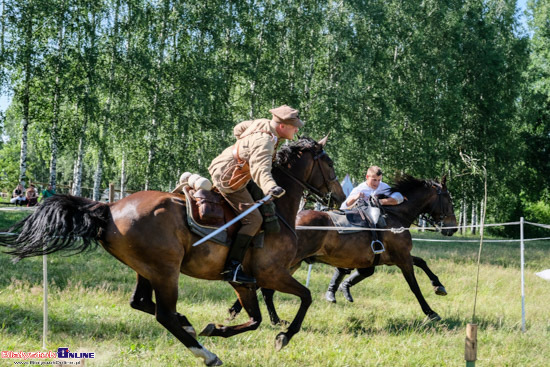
<point x="148" y="232"/>
<point x="353" y="250"/>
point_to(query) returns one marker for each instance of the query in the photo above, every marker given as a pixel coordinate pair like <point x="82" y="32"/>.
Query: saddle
<point x="207" y="211"/>
<point x="361" y="216"/>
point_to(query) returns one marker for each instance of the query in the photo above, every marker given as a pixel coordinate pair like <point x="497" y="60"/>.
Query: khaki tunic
<point x="255" y="147"/>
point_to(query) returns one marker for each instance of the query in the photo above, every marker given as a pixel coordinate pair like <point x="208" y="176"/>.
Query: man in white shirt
<point x="373" y="186"/>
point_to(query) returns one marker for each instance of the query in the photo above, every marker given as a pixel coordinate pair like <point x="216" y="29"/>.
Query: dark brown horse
<point x="148" y="232"/>
<point x="354" y="250"/>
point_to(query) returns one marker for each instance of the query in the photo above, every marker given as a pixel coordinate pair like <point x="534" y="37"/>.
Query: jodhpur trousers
<point x="252" y="223"/>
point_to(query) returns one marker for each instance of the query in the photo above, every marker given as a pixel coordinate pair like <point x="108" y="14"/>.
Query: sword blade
<point x="236" y="219"/>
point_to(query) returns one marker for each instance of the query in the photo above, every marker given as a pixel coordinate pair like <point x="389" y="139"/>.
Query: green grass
<point x="89" y="311"/>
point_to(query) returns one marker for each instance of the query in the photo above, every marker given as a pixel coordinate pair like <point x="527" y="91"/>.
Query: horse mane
<point x="408" y="184"/>
<point x="290" y="152"/>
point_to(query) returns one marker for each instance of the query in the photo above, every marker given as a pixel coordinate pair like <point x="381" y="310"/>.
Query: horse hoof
<point x="215" y="362"/>
<point x="207" y="331"/>
<point x="433" y="317"/>
<point x="440" y="290"/>
<point x="281" y="341"/>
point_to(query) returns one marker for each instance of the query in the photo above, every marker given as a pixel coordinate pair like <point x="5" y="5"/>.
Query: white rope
<point x="394" y="230"/>
<point x="538" y="225"/>
<point x="458" y="240"/>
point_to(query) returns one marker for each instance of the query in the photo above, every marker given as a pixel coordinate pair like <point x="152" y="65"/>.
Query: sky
<point x="522" y="4"/>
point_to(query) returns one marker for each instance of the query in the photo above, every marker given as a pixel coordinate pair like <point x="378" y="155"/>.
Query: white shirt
<point x="382" y="189"/>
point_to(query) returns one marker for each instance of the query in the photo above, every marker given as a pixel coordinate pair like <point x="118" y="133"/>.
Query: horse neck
<point x="289" y="203"/>
<point x="415" y="205"/>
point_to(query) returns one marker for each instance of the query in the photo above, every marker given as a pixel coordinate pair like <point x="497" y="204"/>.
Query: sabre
<point x="236" y="219"/>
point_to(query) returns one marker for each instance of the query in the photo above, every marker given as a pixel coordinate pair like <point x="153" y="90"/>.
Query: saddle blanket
<point x="341" y="220"/>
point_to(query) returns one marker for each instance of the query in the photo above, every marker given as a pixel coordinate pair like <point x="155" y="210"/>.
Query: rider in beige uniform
<point x="255" y="149"/>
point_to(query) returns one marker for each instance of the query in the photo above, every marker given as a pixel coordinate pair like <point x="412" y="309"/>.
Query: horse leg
<point x="408" y="273"/>
<point x="439" y="289"/>
<point x="142" y="300"/>
<point x="249" y="300"/>
<point x="166" y="293"/>
<point x="287" y="284"/>
<point x="268" y="298"/>
<point x="234" y="310"/>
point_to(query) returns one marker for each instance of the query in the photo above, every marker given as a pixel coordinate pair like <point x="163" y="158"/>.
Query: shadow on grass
<point x="19" y="321"/>
<point x="398" y="326"/>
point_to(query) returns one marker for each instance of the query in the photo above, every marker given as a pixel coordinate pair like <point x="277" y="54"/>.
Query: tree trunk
<point x="103" y="134"/>
<point x="98" y="174"/>
<point x="122" y="175"/>
<point x="3" y="30"/>
<point x="26" y="95"/>
<point x="77" y="178"/>
<point x="155" y="119"/>
<point x="460" y="218"/>
<point x="56" y="100"/>
<point x="465" y="219"/>
<point x="474" y="219"/>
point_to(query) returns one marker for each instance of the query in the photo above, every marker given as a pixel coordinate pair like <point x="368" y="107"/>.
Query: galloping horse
<point x="353" y="250"/>
<point x="148" y="232"/>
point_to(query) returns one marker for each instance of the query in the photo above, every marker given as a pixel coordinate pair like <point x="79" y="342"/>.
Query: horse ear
<point x="444" y="181"/>
<point x="323" y="141"/>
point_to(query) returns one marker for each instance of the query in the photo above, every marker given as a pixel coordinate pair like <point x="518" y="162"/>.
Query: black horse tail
<point x="61" y="222"/>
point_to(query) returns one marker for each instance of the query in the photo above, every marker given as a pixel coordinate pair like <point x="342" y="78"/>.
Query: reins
<point x="426" y="217"/>
<point x="442" y="215"/>
<point x="312" y="191"/>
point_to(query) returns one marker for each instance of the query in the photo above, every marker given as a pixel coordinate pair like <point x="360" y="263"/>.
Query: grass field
<point x="89" y="311"/>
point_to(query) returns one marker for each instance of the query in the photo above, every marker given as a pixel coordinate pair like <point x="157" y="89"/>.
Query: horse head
<point x="432" y="198"/>
<point x="442" y="211"/>
<point x="309" y="166"/>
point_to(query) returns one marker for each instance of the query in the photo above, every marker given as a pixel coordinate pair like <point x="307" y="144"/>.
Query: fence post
<point x="470" y="350"/>
<point x="111" y="193"/>
<point x="45" y="295"/>
<point x="308" y="274"/>
<point x="522" y="250"/>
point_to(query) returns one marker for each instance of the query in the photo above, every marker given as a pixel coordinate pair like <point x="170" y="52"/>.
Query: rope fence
<point x="521" y="240"/>
<point x="334" y="228"/>
<point x="402" y="229"/>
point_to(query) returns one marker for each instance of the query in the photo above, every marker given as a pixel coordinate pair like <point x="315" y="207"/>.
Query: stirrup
<point x="238" y="272"/>
<point x="380" y="250"/>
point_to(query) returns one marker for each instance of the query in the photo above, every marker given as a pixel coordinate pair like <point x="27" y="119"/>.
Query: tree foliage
<point x="405" y="85"/>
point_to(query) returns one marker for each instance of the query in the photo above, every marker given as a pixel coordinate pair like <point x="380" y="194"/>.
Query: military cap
<point x="286" y="115"/>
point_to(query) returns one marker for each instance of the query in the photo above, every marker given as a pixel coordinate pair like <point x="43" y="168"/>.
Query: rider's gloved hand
<point x="277" y="192"/>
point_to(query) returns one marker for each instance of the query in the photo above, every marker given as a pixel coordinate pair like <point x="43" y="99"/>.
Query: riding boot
<point x="355" y="278"/>
<point x="334" y="283"/>
<point x="233" y="271"/>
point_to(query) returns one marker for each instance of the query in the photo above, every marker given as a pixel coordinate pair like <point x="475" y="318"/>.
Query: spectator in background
<point x="32" y="196"/>
<point x="18" y="196"/>
<point x="48" y="192"/>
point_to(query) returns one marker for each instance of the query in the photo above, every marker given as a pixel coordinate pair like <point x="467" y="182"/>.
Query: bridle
<point x="442" y="214"/>
<point x="311" y="191"/>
